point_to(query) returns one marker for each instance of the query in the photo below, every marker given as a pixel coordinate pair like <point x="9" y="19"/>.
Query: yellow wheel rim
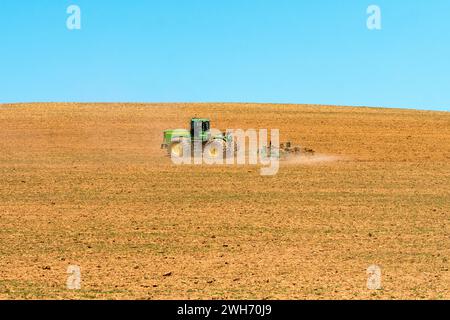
<point x="213" y="152"/>
<point x="177" y="150"/>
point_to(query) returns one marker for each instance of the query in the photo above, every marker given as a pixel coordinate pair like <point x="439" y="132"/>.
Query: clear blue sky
<point x="286" y="51"/>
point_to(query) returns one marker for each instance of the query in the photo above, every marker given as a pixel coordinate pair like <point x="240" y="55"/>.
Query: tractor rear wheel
<point x="215" y="150"/>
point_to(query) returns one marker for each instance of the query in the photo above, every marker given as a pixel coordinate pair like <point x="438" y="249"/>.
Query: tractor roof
<point x="200" y="119"/>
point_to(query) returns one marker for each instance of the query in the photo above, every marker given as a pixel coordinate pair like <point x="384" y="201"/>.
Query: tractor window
<point x="196" y="128"/>
<point x="205" y="126"/>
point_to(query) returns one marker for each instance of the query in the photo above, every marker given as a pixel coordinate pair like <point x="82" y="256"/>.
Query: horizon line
<point x="227" y="102"/>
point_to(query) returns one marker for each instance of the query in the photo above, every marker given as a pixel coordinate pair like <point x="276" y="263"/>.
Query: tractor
<point x="176" y="141"/>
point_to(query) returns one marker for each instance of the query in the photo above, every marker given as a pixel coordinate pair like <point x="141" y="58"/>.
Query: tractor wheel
<point x="236" y="147"/>
<point x="177" y="148"/>
<point x="215" y="150"/>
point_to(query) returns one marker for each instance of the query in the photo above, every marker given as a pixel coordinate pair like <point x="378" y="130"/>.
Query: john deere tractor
<point x="176" y="141"/>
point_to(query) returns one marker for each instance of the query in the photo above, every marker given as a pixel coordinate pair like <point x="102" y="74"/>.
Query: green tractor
<point x="176" y="141"/>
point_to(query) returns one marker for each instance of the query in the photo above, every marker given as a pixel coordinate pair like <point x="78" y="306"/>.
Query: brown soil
<point x="88" y="185"/>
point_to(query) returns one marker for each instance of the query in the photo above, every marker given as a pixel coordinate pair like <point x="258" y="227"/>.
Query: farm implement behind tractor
<point x="284" y="151"/>
<point x="215" y="145"/>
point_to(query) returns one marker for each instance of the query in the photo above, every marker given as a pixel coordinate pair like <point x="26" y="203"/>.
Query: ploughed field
<point x="87" y="185"/>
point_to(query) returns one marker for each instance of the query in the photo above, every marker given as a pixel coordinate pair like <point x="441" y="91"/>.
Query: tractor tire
<point x="215" y="150"/>
<point x="236" y="147"/>
<point x="177" y="148"/>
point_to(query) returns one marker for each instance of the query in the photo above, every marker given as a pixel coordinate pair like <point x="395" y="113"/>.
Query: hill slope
<point x="87" y="185"/>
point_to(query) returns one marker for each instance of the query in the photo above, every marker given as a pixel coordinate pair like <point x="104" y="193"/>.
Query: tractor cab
<point x="200" y="129"/>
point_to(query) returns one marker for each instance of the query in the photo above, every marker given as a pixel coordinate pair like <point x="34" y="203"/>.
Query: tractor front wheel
<point x="177" y="149"/>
